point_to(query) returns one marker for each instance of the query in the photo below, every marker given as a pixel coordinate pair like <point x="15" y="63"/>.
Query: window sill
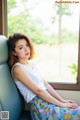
<point x="65" y="86"/>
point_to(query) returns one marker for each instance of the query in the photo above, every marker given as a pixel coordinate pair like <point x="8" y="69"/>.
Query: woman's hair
<point x="11" y="47"/>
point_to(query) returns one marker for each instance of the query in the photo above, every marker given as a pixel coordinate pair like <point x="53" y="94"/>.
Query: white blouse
<point x="33" y="73"/>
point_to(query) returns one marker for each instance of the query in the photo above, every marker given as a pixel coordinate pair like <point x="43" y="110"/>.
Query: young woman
<point x="45" y="102"/>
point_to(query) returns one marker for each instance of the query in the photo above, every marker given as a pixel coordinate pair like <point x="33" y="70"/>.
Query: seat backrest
<point x="10" y="98"/>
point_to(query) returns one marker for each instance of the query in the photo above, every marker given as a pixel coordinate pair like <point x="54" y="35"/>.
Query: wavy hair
<point x="11" y="47"/>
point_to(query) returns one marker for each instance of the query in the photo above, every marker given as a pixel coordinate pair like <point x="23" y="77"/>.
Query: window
<point x="57" y="50"/>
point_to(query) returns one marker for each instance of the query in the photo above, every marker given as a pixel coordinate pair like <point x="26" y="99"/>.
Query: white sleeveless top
<point x="33" y="73"/>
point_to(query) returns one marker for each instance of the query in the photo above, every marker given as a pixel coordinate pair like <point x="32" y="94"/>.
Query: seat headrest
<point x="3" y="49"/>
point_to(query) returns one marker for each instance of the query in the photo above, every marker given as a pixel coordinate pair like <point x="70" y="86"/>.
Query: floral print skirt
<point x="42" y="110"/>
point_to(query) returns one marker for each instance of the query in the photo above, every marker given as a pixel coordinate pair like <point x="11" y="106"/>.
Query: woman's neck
<point x="23" y="61"/>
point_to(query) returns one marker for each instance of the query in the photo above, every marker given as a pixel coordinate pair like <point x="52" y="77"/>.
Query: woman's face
<point x="22" y="50"/>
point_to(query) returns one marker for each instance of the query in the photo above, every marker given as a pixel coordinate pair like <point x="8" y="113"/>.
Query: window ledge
<point x="65" y="86"/>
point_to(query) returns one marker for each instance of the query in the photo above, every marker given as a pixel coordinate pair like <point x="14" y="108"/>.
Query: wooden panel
<point x="3" y="17"/>
<point x="65" y="86"/>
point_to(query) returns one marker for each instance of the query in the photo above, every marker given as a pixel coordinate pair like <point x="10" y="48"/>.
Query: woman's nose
<point x="26" y="48"/>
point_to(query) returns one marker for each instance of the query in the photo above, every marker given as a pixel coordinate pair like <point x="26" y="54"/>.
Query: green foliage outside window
<point x="74" y="69"/>
<point x="24" y="23"/>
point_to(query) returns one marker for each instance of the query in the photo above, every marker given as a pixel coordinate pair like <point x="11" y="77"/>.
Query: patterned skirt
<point x="42" y="110"/>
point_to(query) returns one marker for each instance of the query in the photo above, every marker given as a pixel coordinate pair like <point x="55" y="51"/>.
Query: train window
<point x="54" y="28"/>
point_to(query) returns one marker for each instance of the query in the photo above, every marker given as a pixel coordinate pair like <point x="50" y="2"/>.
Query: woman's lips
<point x="27" y="53"/>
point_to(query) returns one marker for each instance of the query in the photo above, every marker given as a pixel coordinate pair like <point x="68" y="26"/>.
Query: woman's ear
<point x="14" y="53"/>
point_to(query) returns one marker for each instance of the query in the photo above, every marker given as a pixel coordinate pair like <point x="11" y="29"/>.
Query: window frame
<point x="65" y="86"/>
<point x="4" y="31"/>
<point x="3" y="17"/>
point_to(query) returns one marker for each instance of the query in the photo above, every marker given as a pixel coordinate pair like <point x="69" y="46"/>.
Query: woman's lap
<point x="42" y="110"/>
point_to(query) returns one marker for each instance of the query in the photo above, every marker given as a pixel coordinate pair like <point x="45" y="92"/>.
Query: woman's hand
<point x="69" y="104"/>
<point x="65" y="101"/>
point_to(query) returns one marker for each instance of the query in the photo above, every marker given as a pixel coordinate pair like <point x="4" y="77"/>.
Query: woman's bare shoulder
<point x="16" y="68"/>
<point x="16" y="72"/>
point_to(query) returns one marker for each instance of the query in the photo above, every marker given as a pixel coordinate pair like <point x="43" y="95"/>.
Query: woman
<point x="45" y="102"/>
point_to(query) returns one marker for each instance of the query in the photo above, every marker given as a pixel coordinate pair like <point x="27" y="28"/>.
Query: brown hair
<point x="11" y="46"/>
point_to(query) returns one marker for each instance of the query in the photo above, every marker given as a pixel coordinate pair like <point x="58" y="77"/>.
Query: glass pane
<point x="54" y="29"/>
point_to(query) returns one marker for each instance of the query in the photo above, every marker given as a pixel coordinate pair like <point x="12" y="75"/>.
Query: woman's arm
<point x="53" y="92"/>
<point x="56" y="95"/>
<point x="20" y="75"/>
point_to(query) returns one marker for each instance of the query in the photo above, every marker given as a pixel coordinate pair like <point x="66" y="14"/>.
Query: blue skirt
<point x="42" y="110"/>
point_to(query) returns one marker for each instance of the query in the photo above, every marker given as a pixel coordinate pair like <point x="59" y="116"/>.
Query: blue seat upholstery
<point x="10" y="98"/>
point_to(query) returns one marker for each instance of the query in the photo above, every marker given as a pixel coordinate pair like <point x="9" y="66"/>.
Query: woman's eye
<point x="20" y="48"/>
